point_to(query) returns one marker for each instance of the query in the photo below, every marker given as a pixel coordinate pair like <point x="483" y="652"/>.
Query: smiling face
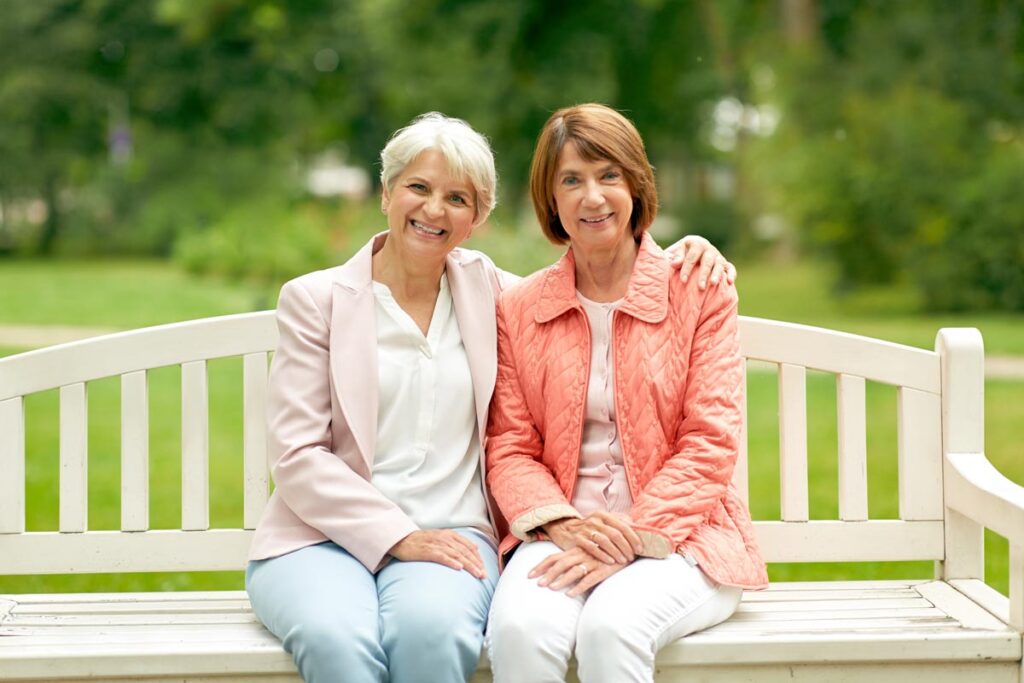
<point x="593" y="200"/>
<point x="429" y="210"/>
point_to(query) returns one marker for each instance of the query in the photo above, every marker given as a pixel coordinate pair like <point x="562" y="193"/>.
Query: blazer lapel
<point x="353" y="348"/>
<point x="474" y="298"/>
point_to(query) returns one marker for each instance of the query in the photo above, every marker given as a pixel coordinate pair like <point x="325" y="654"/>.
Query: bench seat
<point x="940" y="494"/>
<point x="835" y="631"/>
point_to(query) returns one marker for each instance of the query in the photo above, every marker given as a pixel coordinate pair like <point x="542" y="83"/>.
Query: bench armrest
<point x="980" y="492"/>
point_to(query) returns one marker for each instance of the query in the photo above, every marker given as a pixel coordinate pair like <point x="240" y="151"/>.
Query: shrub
<point x="266" y="241"/>
<point x="974" y="258"/>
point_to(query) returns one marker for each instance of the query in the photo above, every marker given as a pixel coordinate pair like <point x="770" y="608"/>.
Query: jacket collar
<point x="354" y="338"/>
<point x="646" y="295"/>
<point x="357" y="273"/>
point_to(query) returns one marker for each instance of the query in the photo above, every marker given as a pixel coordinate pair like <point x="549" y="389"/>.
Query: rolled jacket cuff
<point x="655" y="544"/>
<point x="524" y="526"/>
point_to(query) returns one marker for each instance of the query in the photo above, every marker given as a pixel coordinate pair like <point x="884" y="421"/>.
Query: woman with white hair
<point x="375" y="558"/>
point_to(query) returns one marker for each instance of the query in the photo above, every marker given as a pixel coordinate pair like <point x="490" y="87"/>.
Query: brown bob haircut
<point x="600" y="133"/>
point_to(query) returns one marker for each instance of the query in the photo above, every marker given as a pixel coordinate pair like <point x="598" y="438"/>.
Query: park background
<point x="862" y="162"/>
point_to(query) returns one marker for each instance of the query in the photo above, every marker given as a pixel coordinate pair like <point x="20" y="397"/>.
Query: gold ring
<point x="593" y="535"/>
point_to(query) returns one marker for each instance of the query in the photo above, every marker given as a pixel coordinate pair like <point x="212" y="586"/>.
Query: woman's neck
<point x="408" y="279"/>
<point x="602" y="275"/>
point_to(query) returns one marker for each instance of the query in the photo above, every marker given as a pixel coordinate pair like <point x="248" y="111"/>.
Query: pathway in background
<point x="35" y="336"/>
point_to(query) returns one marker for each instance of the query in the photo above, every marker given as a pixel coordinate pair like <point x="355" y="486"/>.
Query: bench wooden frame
<point x="949" y="626"/>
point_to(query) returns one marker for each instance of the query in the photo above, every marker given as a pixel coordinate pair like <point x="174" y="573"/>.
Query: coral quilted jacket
<point x="678" y="397"/>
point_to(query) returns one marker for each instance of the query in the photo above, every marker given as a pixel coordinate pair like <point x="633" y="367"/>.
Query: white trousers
<point x="615" y="630"/>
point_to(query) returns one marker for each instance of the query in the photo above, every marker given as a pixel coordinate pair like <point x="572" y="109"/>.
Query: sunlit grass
<point x="115" y="294"/>
<point x="799" y="292"/>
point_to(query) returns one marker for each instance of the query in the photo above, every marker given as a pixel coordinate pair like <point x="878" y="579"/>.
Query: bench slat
<point x="141" y="598"/>
<point x="958" y="606"/>
<point x="979" y="592"/>
<point x="135" y="451"/>
<point x="195" y="447"/>
<point x="175" y="661"/>
<point x="255" y="464"/>
<point x="714" y="647"/>
<point x="862" y="625"/>
<point x="143" y="635"/>
<point x="798" y="672"/>
<point x="741" y="473"/>
<point x="851" y="603"/>
<point x="834" y="541"/>
<point x="1016" y="580"/>
<point x="810" y="613"/>
<point x="167" y="606"/>
<point x="61" y="621"/>
<point x="47" y="552"/>
<point x="825" y="591"/>
<point x="74" y="460"/>
<point x="836" y="352"/>
<point x="790" y="586"/>
<point x="853" y="450"/>
<point x="144" y="349"/>
<point x="12" y="464"/>
<point x="793" y="442"/>
<point x="918" y="419"/>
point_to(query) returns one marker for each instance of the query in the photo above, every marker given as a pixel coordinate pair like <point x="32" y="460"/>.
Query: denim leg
<point x="433" y="617"/>
<point x="322" y="604"/>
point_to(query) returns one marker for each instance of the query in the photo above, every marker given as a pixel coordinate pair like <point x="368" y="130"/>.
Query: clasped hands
<point x="593" y="548"/>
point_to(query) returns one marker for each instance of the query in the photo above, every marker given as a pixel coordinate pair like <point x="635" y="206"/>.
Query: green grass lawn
<point x="122" y="294"/>
<point x="799" y="293"/>
<point x="117" y="294"/>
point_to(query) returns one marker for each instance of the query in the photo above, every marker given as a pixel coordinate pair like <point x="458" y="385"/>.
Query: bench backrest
<point x="916" y="534"/>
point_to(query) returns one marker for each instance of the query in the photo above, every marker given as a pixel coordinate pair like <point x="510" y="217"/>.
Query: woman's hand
<point x="694" y="249"/>
<point x="607" y="537"/>
<point x="574" y="567"/>
<point x="442" y="546"/>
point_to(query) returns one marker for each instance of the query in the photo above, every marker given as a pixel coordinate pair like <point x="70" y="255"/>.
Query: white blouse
<point x="428" y="451"/>
<point x="602" y="483"/>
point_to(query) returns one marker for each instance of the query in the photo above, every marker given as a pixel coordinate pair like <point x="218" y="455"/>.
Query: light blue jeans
<point x="412" y="621"/>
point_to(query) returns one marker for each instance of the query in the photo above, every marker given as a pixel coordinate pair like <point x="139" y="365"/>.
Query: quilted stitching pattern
<point x="678" y="394"/>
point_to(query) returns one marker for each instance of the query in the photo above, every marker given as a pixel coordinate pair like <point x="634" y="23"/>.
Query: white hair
<point x="466" y="151"/>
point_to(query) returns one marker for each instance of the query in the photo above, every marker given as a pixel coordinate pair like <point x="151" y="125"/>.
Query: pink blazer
<point x="322" y="405"/>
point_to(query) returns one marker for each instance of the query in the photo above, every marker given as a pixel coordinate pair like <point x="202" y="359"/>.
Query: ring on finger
<point x="593" y="535"/>
<point x="583" y="567"/>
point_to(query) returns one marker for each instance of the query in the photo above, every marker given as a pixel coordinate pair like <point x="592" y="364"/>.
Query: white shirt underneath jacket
<point x="427" y="459"/>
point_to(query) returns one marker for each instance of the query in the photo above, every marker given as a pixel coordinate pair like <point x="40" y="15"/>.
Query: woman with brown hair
<point x="614" y="428"/>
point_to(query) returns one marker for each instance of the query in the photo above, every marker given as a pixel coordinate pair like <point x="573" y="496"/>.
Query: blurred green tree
<point x="887" y="133"/>
<point x="900" y="132"/>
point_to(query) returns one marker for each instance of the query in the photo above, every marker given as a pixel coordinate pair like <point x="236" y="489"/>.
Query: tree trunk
<point x="51" y="227"/>
<point x="800" y="23"/>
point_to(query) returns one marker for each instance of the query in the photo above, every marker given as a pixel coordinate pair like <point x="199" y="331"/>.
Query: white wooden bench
<point x="946" y="626"/>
